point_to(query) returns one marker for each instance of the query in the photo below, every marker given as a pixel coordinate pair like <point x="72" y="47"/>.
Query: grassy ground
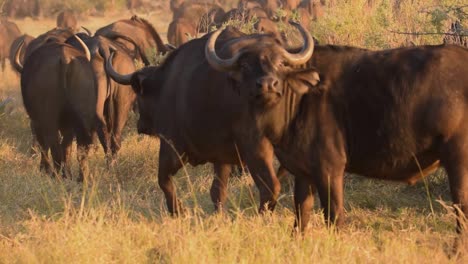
<point x="119" y="216"/>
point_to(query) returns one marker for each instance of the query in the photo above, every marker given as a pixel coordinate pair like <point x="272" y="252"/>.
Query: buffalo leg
<point x="45" y="165"/>
<point x="56" y="151"/>
<point x="455" y="161"/>
<point x="304" y="192"/>
<point x="218" y="190"/>
<point x="103" y="134"/>
<point x="67" y="149"/>
<point x="260" y="164"/>
<point x="169" y="164"/>
<point x="282" y="172"/>
<point x="84" y="140"/>
<point x="121" y="110"/>
<point x="330" y="189"/>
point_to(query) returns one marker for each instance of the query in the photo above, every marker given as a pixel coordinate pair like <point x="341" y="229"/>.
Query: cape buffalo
<point x="59" y="94"/>
<point x="9" y="31"/>
<point x="394" y="114"/>
<point x="67" y="20"/>
<point x="140" y="31"/>
<point x="209" y="123"/>
<point x="55" y="35"/>
<point x="114" y="100"/>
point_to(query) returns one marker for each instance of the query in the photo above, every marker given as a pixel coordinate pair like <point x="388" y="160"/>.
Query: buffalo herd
<point x="236" y="99"/>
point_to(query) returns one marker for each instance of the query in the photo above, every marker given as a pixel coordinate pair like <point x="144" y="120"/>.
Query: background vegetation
<point x="120" y="216"/>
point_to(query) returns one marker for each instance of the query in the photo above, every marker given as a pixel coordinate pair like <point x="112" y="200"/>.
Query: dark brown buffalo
<point x="394" y="114"/>
<point x="67" y="20"/>
<point x="22" y="40"/>
<point x="114" y="101"/>
<point x="54" y="35"/>
<point x="203" y="114"/>
<point x="9" y="31"/>
<point x="140" y="31"/>
<point x="59" y="94"/>
<point x="51" y="36"/>
<point x="22" y="8"/>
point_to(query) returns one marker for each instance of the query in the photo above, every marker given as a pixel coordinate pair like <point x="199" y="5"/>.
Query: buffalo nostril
<point x="274" y="84"/>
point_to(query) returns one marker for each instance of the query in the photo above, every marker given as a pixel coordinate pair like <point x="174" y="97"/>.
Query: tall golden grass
<point x="119" y="215"/>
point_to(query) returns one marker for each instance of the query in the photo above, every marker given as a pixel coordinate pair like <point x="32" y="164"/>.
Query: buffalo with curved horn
<point x="202" y="104"/>
<point x="59" y="94"/>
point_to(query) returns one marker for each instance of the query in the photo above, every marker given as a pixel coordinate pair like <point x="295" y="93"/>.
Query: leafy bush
<point x="356" y="22"/>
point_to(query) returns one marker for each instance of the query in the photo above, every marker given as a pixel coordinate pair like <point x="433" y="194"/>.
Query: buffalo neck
<point x="321" y="106"/>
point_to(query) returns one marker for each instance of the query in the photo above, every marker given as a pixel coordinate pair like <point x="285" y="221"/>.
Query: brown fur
<point x="114" y="101"/>
<point x="210" y="118"/>
<point x="140" y="31"/>
<point x="59" y="94"/>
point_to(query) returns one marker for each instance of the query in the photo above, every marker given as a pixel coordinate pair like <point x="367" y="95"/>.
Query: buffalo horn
<point x="307" y="50"/>
<point x="17" y="64"/>
<point x="122" y="79"/>
<point x="85" y="48"/>
<point x="87" y="31"/>
<point x="213" y="59"/>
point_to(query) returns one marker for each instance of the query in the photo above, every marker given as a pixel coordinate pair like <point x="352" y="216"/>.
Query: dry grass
<point x="119" y="216"/>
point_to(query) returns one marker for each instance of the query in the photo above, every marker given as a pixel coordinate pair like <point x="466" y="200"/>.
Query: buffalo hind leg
<point x="67" y="142"/>
<point x="56" y="151"/>
<point x="121" y="110"/>
<point x="169" y="164"/>
<point x="218" y="190"/>
<point x="103" y="135"/>
<point x="84" y="141"/>
<point x="44" y="148"/>
<point x="304" y="192"/>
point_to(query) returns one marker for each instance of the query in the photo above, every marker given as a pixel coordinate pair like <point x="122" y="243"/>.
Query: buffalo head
<point x="260" y="68"/>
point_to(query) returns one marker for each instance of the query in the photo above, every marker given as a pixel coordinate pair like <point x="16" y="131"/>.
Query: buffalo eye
<point x="245" y="66"/>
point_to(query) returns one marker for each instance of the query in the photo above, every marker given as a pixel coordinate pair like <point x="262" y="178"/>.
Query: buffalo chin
<point x="266" y="100"/>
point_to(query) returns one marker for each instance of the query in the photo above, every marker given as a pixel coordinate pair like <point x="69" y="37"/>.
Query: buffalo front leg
<point x="120" y="114"/>
<point x="260" y="163"/>
<point x="304" y="192"/>
<point x="330" y="189"/>
<point x="218" y="190"/>
<point x="455" y="160"/>
<point x="169" y="164"/>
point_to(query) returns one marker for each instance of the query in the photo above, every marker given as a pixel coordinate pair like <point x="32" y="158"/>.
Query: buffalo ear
<point x="304" y="81"/>
<point x="138" y="83"/>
